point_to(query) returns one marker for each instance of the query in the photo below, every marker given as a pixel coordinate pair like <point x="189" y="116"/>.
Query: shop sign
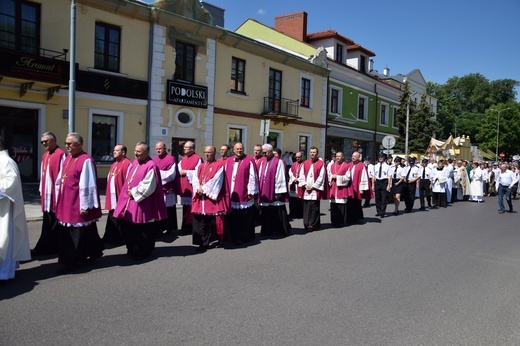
<point x="30" y="67"/>
<point x="187" y="94"/>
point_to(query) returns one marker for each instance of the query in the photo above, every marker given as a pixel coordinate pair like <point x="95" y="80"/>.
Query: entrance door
<point x="19" y="128"/>
<point x="177" y="148"/>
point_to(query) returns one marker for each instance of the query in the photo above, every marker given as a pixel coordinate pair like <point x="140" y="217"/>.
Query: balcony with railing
<point x="34" y="50"/>
<point x="281" y="110"/>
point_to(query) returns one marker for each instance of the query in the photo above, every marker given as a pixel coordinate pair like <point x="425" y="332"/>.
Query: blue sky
<point x="441" y="38"/>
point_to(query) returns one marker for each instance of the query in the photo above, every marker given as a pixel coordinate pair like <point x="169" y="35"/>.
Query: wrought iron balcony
<point x="32" y="50"/>
<point x="281" y="110"/>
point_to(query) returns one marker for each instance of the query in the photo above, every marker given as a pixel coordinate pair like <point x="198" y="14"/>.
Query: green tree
<point x="464" y="101"/>
<point x="405" y="105"/>
<point x="446" y="120"/>
<point x="421" y="122"/>
<point x="509" y="129"/>
<point x="422" y="126"/>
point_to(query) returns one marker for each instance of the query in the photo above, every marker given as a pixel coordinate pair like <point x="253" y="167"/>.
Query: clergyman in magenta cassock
<point x="171" y="184"/>
<point x="50" y="167"/>
<point x="187" y="169"/>
<point x="358" y="189"/>
<point x="115" y="181"/>
<point x="242" y="178"/>
<point x="210" y="201"/>
<point x="295" y="191"/>
<point x="339" y="178"/>
<point x="313" y="181"/>
<point x="273" y="194"/>
<point x="142" y="206"/>
<point x="78" y="207"/>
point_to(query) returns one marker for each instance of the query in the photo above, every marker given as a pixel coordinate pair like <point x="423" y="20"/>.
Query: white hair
<point x="267" y="147"/>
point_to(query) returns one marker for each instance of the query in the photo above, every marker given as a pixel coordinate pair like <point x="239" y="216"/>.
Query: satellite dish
<point x="388" y="142"/>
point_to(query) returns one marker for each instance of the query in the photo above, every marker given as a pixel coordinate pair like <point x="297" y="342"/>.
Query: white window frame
<point x="119" y="133"/>
<point x="387" y="117"/>
<point x="311" y="91"/>
<point x="340" y="100"/>
<point x="394" y="116"/>
<point x="280" y="137"/>
<point x="236" y="91"/>
<point x="365" y="111"/>
<point x="244" y="132"/>
<point x="309" y="142"/>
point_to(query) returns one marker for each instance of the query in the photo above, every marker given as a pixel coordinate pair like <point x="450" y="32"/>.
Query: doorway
<point x="177" y="147"/>
<point x="19" y="128"/>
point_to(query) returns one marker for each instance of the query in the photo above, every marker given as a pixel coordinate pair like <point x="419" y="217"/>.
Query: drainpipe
<point x="375" y="125"/>
<point x="150" y="66"/>
<point x="326" y="120"/>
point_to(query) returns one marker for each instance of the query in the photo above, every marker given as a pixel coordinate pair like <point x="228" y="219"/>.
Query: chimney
<point x="293" y="25"/>
<point x="386" y="71"/>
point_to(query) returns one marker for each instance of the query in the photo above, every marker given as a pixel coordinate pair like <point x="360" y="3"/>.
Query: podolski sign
<point x="187" y="94"/>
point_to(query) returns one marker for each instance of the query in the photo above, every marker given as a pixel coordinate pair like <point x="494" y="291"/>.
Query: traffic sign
<point x="388" y="142"/>
<point x="265" y="127"/>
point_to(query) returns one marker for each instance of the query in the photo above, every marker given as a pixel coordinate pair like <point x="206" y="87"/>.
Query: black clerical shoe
<point x="95" y="257"/>
<point x="65" y="270"/>
<point x="38" y="253"/>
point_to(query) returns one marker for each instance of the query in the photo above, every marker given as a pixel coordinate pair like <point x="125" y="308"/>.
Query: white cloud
<point x="261" y="11"/>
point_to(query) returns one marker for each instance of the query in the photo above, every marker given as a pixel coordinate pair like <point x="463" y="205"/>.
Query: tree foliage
<point x="404" y="98"/>
<point x="509" y="129"/>
<point x="422" y="126"/>
<point x="463" y="103"/>
<point x="421" y="122"/>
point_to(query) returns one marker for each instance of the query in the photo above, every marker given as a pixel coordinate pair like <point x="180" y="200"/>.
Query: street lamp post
<point x="72" y="78"/>
<point x="406" y="131"/>
<point x="407" y="125"/>
<point x="498" y="128"/>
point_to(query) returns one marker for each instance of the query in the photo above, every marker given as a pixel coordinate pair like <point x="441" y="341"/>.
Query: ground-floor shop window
<point x="104" y="137"/>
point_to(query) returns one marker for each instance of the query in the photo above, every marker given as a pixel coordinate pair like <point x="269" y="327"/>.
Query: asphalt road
<point x="441" y="277"/>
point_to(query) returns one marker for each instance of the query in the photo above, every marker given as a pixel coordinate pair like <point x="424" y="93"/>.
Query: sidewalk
<point x="31" y="198"/>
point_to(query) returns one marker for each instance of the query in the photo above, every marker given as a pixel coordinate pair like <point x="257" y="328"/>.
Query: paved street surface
<point x="443" y="277"/>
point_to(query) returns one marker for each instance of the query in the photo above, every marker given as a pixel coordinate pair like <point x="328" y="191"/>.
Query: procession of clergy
<point x="223" y="200"/>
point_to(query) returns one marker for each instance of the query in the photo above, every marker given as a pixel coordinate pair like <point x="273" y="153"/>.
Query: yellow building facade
<point x="112" y="45"/>
<point x="150" y="72"/>
<point x="258" y="84"/>
<point x="182" y="77"/>
<point x="233" y="85"/>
